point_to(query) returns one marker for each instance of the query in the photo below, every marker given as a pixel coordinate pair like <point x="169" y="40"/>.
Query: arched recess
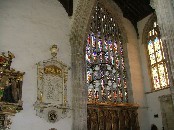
<point x="78" y="35"/>
<point x="149" y="26"/>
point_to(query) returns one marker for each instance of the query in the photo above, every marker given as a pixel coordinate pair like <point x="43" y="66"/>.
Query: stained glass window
<point x="157" y="60"/>
<point x="106" y="72"/>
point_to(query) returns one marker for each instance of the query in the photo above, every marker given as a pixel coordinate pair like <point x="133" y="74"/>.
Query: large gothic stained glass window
<point x="157" y="60"/>
<point x="106" y="72"/>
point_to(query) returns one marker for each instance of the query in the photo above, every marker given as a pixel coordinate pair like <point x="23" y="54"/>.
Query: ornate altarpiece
<point x="10" y="90"/>
<point x="52" y="103"/>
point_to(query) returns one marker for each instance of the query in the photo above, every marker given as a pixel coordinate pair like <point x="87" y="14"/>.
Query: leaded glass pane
<point x="106" y="72"/>
<point x="157" y="59"/>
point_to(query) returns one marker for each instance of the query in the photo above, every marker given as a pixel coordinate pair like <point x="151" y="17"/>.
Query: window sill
<point x="157" y="90"/>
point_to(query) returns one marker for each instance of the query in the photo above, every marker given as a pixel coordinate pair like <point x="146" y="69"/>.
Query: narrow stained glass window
<point x="106" y="72"/>
<point x="157" y="59"/>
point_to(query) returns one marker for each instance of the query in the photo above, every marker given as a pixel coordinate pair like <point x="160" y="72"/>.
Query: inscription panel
<point x="51" y="89"/>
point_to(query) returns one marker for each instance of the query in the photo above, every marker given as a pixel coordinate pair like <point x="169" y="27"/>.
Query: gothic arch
<point x="82" y="18"/>
<point x="148" y="27"/>
<point x="79" y="31"/>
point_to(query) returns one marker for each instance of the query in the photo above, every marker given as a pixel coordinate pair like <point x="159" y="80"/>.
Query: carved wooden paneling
<point x="112" y="117"/>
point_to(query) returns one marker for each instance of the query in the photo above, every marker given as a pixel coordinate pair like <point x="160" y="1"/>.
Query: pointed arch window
<point x="156" y="58"/>
<point x="106" y="71"/>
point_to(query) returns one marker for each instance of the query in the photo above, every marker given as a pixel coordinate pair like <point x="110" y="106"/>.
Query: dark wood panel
<point x="68" y="5"/>
<point x="135" y="10"/>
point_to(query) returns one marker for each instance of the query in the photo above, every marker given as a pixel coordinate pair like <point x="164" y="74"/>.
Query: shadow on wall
<point x="154" y="127"/>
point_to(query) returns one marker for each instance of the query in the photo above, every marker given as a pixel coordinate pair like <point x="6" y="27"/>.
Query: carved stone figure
<point x="12" y="91"/>
<point x="10" y="88"/>
<point x="7" y="93"/>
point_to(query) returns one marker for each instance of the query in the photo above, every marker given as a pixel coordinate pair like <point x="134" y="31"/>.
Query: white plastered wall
<point x="28" y="28"/>
<point x="136" y="74"/>
<point x="153" y="103"/>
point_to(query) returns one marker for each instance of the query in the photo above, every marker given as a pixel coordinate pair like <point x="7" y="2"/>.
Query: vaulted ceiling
<point x="134" y="10"/>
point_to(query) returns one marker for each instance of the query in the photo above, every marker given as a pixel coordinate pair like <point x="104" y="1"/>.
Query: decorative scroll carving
<point x="52" y="103"/>
<point x="112" y="117"/>
<point x="10" y="90"/>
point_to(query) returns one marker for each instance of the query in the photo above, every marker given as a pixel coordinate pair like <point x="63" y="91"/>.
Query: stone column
<point x="165" y="17"/>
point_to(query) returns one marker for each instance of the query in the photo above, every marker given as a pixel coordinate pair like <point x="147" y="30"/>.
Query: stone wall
<point x="167" y="111"/>
<point x="153" y="104"/>
<point x="136" y="74"/>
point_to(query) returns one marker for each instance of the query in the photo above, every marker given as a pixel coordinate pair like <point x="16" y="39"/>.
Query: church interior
<point x="86" y="64"/>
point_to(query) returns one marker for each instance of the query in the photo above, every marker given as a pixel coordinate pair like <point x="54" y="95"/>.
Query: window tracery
<point x="156" y="58"/>
<point x="106" y="72"/>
